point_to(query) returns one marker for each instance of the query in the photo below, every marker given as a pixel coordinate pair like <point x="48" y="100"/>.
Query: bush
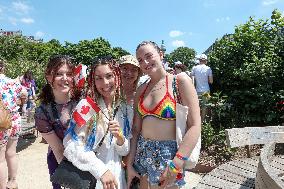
<point x="17" y="68"/>
<point x="248" y="68"/>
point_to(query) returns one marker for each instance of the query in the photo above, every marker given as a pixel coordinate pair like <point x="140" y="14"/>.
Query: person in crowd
<point x="130" y="74"/>
<point x="179" y="67"/>
<point x="9" y="90"/>
<point x="170" y="70"/>
<point x="202" y="75"/>
<point x="29" y="84"/>
<point x="103" y="140"/>
<point x="58" y="100"/>
<point x="154" y="156"/>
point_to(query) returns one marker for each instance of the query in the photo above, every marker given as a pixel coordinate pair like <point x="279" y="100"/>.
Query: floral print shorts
<point x="152" y="158"/>
<point x="13" y="132"/>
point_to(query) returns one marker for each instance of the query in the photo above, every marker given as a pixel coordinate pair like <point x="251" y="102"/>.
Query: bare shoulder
<point x="183" y="80"/>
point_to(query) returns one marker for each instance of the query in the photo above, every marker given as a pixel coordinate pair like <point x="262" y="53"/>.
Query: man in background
<point x="202" y="76"/>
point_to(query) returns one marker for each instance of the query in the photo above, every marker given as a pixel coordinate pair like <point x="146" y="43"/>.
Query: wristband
<point x="173" y="168"/>
<point x="120" y="133"/>
<point x="179" y="156"/>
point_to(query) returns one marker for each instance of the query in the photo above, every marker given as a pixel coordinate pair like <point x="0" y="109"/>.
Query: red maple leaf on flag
<point x="85" y="109"/>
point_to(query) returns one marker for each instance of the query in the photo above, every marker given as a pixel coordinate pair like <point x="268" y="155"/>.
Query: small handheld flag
<point x="85" y="109"/>
<point x="80" y="75"/>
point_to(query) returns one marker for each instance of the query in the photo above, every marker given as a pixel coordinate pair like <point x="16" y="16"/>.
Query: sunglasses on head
<point x="103" y="59"/>
<point x="59" y="56"/>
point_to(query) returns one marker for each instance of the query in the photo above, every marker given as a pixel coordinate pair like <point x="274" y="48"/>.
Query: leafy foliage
<point x="184" y="54"/>
<point x="248" y="67"/>
<point x="23" y="54"/>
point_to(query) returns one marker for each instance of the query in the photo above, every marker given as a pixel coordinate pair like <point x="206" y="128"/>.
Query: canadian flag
<point x="80" y="75"/>
<point x="84" y="110"/>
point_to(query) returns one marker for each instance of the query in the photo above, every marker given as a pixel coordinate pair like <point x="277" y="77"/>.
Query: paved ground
<point x="33" y="172"/>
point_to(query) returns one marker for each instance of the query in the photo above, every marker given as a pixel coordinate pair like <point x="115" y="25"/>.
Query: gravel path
<point x="33" y="171"/>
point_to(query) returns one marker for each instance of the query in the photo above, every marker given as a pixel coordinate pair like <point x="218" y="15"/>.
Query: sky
<point x="125" y="23"/>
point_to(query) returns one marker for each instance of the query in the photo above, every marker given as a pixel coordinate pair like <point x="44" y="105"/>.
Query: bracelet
<point x="173" y="168"/>
<point x="179" y="156"/>
<point x="120" y="133"/>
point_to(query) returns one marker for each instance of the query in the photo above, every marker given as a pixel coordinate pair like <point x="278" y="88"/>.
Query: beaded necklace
<point x="92" y="127"/>
<point x="126" y="125"/>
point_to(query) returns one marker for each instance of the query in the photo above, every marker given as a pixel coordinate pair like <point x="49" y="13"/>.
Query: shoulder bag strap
<point x="102" y="139"/>
<point x="45" y="113"/>
<point x="58" y="126"/>
<point x="175" y="89"/>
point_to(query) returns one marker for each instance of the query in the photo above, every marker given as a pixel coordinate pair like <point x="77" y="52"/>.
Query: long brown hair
<point x="55" y="63"/>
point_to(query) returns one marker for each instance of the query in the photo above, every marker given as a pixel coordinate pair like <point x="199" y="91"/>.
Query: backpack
<point x="5" y="116"/>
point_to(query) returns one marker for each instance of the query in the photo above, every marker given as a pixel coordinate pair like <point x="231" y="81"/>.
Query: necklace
<point x="155" y="88"/>
<point x="158" y="86"/>
<point x="126" y="125"/>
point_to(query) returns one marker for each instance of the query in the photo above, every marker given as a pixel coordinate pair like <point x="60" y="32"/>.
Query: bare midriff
<point x="157" y="129"/>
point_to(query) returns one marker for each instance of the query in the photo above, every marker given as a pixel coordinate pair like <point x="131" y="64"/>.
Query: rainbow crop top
<point x="165" y="109"/>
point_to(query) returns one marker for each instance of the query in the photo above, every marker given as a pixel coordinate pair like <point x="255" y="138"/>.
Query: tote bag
<point x="181" y="128"/>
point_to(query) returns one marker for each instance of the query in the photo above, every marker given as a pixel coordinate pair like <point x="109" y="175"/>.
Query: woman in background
<point x="9" y="90"/>
<point x="28" y="83"/>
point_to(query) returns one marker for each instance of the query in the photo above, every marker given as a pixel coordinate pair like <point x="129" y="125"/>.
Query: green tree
<point x="87" y="50"/>
<point x="119" y="52"/>
<point x="184" y="54"/>
<point x="248" y="67"/>
<point x="12" y="47"/>
<point x="23" y="54"/>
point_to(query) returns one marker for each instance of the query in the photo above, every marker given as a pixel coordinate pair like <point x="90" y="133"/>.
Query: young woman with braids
<point x="154" y="156"/>
<point x="99" y="145"/>
<point x="58" y="99"/>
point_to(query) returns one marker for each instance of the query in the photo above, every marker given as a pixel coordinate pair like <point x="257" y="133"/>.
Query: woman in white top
<point x="102" y="161"/>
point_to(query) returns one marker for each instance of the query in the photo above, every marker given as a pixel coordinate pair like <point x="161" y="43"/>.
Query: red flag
<point x="85" y="109"/>
<point x="80" y="75"/>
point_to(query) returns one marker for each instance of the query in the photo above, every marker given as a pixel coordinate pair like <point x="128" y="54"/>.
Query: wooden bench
<point x="241" y="173"/>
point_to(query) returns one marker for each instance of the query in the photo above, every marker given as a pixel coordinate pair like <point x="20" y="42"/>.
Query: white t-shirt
<point x="201" y="73"/>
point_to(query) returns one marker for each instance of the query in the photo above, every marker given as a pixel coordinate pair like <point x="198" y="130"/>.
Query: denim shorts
<point x="152" y="158"/>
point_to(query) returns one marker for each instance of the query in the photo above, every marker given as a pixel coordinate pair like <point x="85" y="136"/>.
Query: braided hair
<point x="91" y="87"/>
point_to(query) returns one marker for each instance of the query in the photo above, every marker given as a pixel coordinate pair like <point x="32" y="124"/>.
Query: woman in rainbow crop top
<point x="154" y="156"/>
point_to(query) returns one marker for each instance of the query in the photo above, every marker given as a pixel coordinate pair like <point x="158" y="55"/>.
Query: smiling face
<point x="61" y="80"/>
<point x="129" y="73"/>
<point x="105" y="80"/>
<point x="150" y="60"/>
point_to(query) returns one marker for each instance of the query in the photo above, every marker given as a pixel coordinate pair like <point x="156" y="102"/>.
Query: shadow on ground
<point x="25" y="142"/>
